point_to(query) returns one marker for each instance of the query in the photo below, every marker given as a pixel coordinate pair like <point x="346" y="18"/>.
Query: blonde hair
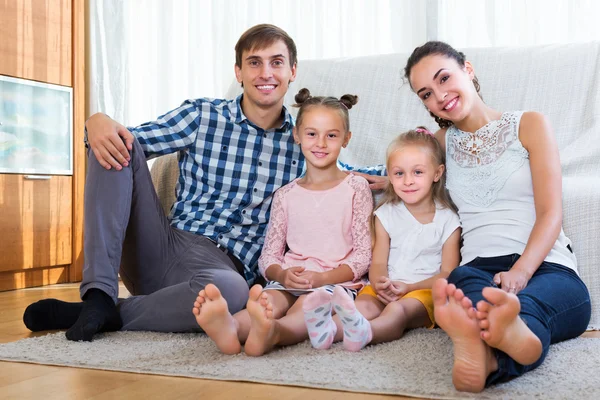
<point x="425" y="139"/>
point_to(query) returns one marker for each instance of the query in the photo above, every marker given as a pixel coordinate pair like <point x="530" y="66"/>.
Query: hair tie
<point x="345" y="106"/>
<point x="423" y="130"/>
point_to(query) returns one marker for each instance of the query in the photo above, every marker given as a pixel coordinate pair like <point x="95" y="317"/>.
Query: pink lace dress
<point x="322" y="229"/>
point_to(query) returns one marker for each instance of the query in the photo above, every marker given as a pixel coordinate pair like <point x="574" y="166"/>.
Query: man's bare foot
<point x="212" y="314"/>
<point x="262" y="336"/>
<point x="503" y="329"/>
<point x="473" y="359"/>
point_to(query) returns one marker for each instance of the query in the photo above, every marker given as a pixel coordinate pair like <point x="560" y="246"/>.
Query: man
<point x="233" y="155"/>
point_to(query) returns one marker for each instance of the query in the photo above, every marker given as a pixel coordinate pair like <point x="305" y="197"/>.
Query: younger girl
<point x="417" y="236"/>
<point x="323" y="220"/>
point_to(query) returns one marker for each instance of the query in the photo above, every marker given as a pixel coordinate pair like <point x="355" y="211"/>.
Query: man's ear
<point x="347" y="139"/>
<point x="293" y="77"/>
<point x="238" y="74"/>
<point x="295" y="134"/>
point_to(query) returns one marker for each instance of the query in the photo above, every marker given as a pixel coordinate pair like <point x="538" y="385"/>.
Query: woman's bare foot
<point x="503" y="329"/>
<point x="212" y="314"/>
<point x="473" y="359"/>
<point x="263" y="335"/>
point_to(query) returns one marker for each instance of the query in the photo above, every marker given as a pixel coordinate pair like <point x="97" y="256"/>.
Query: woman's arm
<point x="537" y="137"/>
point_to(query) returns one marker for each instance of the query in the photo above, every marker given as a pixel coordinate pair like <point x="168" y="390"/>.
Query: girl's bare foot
<point x="473" y="359"/>
<point x="212" y="314"/>
<point x="503" y="329"/>
<point x="263" y="335"/>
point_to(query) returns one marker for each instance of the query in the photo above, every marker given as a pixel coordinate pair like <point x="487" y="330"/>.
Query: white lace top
<point x="489" y="179"/>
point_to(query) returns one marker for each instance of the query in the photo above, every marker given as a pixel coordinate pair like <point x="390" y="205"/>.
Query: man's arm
<point x="375" y="175"/>
<point x="111" y="142"/>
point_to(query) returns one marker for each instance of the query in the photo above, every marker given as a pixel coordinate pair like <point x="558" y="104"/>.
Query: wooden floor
<point x="30" y="381"/>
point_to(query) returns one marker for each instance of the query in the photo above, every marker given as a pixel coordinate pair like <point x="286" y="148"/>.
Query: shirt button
<point x="293" y="162"/>
<point x="260" y="164"/>
<point x="264" y="134"/>
<point x="243" y="211"/>
<point x="255" y="190"/>
<point x="220" y="236"/>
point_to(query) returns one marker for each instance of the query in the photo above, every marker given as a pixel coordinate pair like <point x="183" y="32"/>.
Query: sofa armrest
<point x="581" y="223"/>
<point x="165" y="173"/>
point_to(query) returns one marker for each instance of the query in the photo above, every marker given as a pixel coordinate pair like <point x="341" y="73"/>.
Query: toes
<point x="211" y="292"/>
<point x="466" y="303"/>
<point x="439" y="288"/>
<point x="484" y="324"/>
<point x="450" y="289"/>
<point x="495" y="296"/>
<point x="471" y="313"/>
<point x="485" y="335"/>
<point x="481" y="315"/>
<point x="255" y="292"/>
<point x="483" y="306"/>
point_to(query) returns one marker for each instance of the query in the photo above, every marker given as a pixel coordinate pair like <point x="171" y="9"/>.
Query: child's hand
<point x="291" y="278"/>
<point x="399" y="288"/>
<point x="315" y="279"/>
<point x="383" y="287"/>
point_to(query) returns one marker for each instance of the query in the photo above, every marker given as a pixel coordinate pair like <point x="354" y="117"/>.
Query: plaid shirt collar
<point x="238" y="115"/>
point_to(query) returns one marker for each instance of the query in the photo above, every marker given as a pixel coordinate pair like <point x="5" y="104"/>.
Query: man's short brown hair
<point x="262" y="36"/>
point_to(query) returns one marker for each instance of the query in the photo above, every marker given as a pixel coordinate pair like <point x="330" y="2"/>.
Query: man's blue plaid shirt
<point x="229" y="169"/>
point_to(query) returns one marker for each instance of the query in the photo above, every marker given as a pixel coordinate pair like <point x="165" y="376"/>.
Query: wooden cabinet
<point x="41" y="218"/>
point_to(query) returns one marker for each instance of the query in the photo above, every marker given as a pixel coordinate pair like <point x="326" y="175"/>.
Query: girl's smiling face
<point x="321" y="135"/>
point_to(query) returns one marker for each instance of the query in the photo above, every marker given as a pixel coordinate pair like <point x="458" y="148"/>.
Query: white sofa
<point x="561" y="81"/>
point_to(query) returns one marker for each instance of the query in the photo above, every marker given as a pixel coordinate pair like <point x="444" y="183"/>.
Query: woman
<point x="517" y="290"/>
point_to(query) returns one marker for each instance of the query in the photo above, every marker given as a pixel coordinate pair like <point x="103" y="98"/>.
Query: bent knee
<point x="369" y="306"/>
<point x="460" y="273"/>
<point x="232" y="285"/>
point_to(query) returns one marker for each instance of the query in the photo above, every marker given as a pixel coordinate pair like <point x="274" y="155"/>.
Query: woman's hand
<point x="512" y="281"/>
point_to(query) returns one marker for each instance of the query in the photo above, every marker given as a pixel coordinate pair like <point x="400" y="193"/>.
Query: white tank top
<point x="489" y="179"/>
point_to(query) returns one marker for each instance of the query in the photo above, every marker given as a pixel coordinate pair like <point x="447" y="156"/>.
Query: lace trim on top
<point x="480" y="163"/>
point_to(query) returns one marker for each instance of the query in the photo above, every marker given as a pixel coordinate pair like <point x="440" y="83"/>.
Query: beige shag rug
<point x="417" y="365"/>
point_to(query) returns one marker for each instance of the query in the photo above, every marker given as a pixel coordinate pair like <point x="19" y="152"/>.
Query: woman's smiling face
<point x="444" y="87"/>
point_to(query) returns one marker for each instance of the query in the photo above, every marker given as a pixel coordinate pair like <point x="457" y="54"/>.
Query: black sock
<point x="99" y="314"/>
<point x="50" y="314"/>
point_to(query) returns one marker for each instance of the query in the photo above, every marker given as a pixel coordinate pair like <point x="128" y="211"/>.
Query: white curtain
<point x="147" y="56"/>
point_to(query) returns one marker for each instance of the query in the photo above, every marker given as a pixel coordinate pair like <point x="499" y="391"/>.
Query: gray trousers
<point x="164" y="268"/>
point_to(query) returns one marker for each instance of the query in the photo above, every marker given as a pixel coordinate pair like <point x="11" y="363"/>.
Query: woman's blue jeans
<point x="555" y="305"/>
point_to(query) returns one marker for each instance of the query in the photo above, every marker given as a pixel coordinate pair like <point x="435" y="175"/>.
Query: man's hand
<point x="376" y="182"/>
<point x="291" y="278"/>
<point x="109" y="140"/>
